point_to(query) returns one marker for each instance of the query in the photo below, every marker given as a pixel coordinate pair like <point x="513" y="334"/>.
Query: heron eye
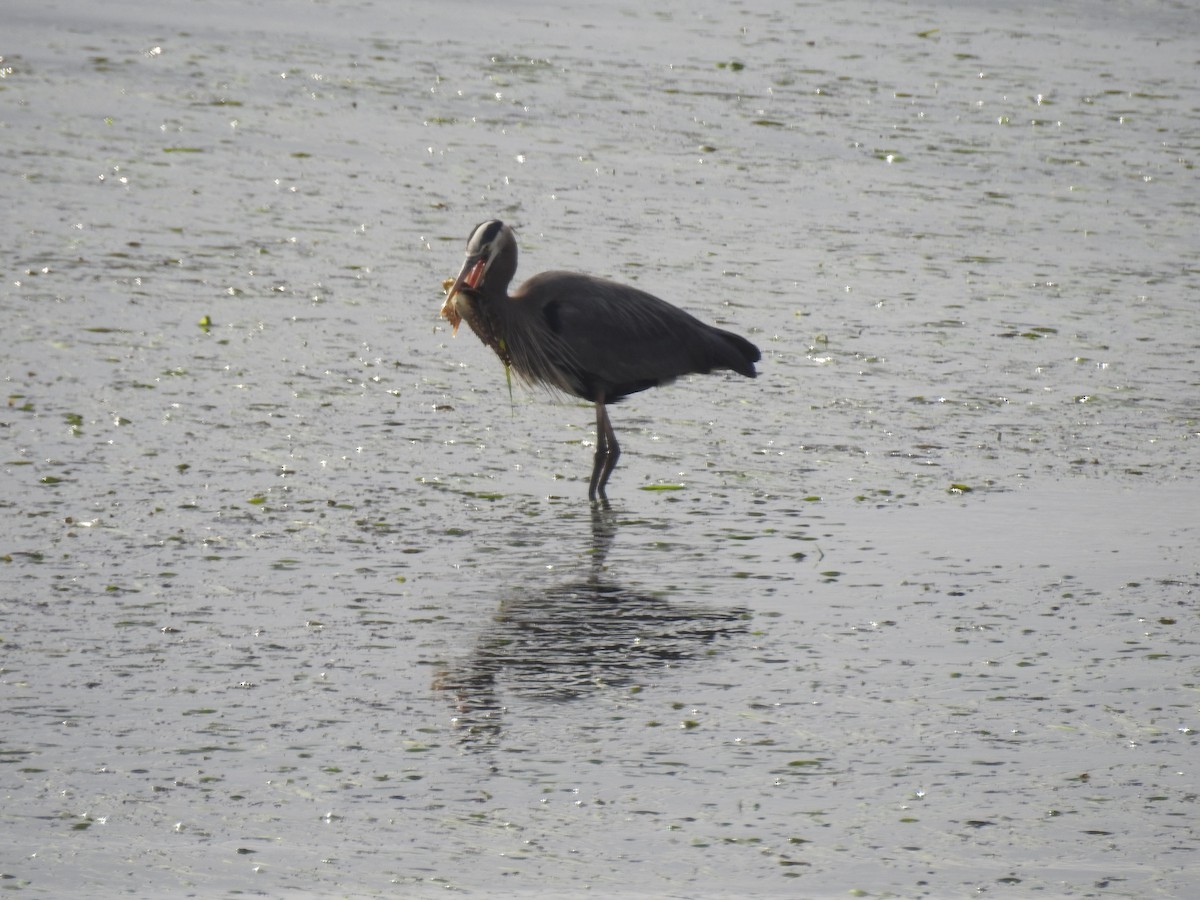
<point x="485" y="250"/>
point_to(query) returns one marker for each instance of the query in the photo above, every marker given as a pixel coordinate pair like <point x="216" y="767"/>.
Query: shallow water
<point x="299" y="600"/>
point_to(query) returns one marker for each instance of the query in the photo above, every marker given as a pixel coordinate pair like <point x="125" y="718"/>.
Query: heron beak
<point x="470" y="276"/>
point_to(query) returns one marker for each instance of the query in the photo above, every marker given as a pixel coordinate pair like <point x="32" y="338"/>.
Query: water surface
<point x="299" y="599"/>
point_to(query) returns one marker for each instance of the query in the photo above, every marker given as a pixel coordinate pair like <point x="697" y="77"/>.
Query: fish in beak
<point x="470" y="277"/>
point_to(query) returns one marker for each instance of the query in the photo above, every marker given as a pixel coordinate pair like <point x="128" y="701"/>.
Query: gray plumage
<point x="582" y="335"/>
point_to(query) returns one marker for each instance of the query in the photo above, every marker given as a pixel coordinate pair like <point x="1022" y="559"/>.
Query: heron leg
<point x="601" y="450"/>
<point x="608" y="451"/>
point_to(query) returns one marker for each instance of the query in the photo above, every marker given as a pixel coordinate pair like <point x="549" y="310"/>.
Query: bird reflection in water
<point x="564" y="642"/>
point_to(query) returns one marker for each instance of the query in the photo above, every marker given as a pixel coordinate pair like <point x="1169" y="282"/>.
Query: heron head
<point x="491" y="257"/>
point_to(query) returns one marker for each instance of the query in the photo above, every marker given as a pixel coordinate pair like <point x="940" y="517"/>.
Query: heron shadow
<point x="586" y="635"/>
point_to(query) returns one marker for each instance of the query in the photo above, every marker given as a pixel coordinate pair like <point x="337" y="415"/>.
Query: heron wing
<point x="617" y="340"/>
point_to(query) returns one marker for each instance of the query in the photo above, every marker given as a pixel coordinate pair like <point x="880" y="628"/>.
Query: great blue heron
<point x="586" y="336"/>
